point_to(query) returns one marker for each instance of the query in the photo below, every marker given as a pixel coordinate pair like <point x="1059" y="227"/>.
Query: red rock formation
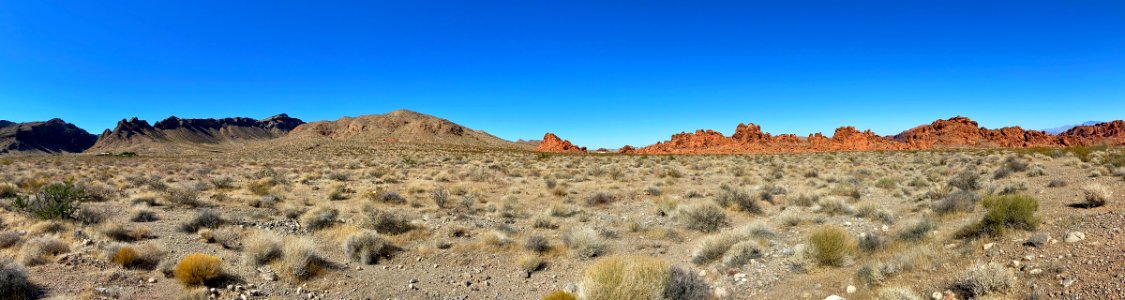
<point x="627" y="150"/>
<point x="1109" y="133"/>
<point x="552" y="143"/>
<point x="961" y="132"/>
<point x="956" y="132"/>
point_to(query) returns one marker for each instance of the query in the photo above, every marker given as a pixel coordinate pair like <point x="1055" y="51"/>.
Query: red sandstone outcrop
<point x="552" y="143"/>
<point x="956" y="132"/>
<point x="961" y="132"/>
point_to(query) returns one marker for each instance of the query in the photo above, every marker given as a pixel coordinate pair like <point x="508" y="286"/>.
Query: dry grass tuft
<point x="198" y="268"/>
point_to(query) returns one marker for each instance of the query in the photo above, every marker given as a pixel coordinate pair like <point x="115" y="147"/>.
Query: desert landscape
<point x="405" y="205"/>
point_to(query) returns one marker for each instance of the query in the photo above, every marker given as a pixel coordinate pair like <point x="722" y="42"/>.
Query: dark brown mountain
<point x="137" y="135"/>
<point x="53" y="136"/>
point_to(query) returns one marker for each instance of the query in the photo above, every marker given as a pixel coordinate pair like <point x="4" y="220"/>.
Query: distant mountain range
<point x="404" y="127"/>
<point x="1061" y="129"/>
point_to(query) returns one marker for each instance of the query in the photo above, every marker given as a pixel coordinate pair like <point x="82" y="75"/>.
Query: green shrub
<point x="54" y="201"/>
<point x="831" y="246"/>
<point x="1005" y="212"/>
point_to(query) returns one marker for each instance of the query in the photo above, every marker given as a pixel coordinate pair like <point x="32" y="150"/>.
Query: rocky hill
<point x="402" y="126"/>
<point x="552" y="143"/>
<point x="53" y="136"/>
<point x="1110" y="133"/>
<point x="174" y="132"/>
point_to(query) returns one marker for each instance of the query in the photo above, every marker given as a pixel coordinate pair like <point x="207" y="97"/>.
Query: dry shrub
<point x="1096" y="195"/>
<point x="626" y="277"/>
<point x="896" y="293"/>
<point x="981" y="280"/>
<point x="125" y="257"/>
<point x="386" y="222"/>
<point x="559" y="295"/>
<point x="9" y="238"/>
<point x="640" y="277"/>
<point x="263" y="246"/>
<point x="204" y="219"/>
<point x="125" y="232"/>
<point x="530" y="263"/>
<point x="537" y="243"/>
<point x="584" y="242"/>
<point x="703" y="217"/>
<point x="40" y="250"/>
<point x="319" y="218"/>
<point x="301" y="259"/>
<point x="367" y="247"/>
<point x="198" y="268"/>
<point x="14" y="283"/>
<point x="831" y="246"/>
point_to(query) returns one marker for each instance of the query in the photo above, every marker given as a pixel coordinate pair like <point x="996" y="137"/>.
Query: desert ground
<point x="409" y="223"/>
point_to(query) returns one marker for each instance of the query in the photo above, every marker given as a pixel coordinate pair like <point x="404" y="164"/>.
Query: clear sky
<point x="598" y="73"/>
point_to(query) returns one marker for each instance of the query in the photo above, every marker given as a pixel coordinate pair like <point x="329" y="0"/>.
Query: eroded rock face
<point x="1110" y="133"/>
<point x="53" y="136"/>
<point x="961" y="132"/>
<point x="552" y="143"/>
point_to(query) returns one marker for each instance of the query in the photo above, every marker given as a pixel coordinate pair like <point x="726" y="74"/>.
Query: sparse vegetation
<point x="367" y="247"/>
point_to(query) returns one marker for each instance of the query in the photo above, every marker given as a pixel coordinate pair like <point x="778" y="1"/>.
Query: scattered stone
<point x="989" y="246"/>
<point x="834" y="297"/>
<point x="1038" y="240"/>
<point x="1074" y="237"/>
<point x="851" y="289"/>
<point x="1035" y="271"/>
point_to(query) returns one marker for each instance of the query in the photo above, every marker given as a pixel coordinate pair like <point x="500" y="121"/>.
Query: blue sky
<point x="600" y="74"/>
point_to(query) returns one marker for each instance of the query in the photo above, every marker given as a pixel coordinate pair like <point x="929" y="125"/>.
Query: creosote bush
<point x="1004" y="212"/>
<point x="831" y="246"/>
<point x="54" y="201"/>
<point x="198" y="268"/>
